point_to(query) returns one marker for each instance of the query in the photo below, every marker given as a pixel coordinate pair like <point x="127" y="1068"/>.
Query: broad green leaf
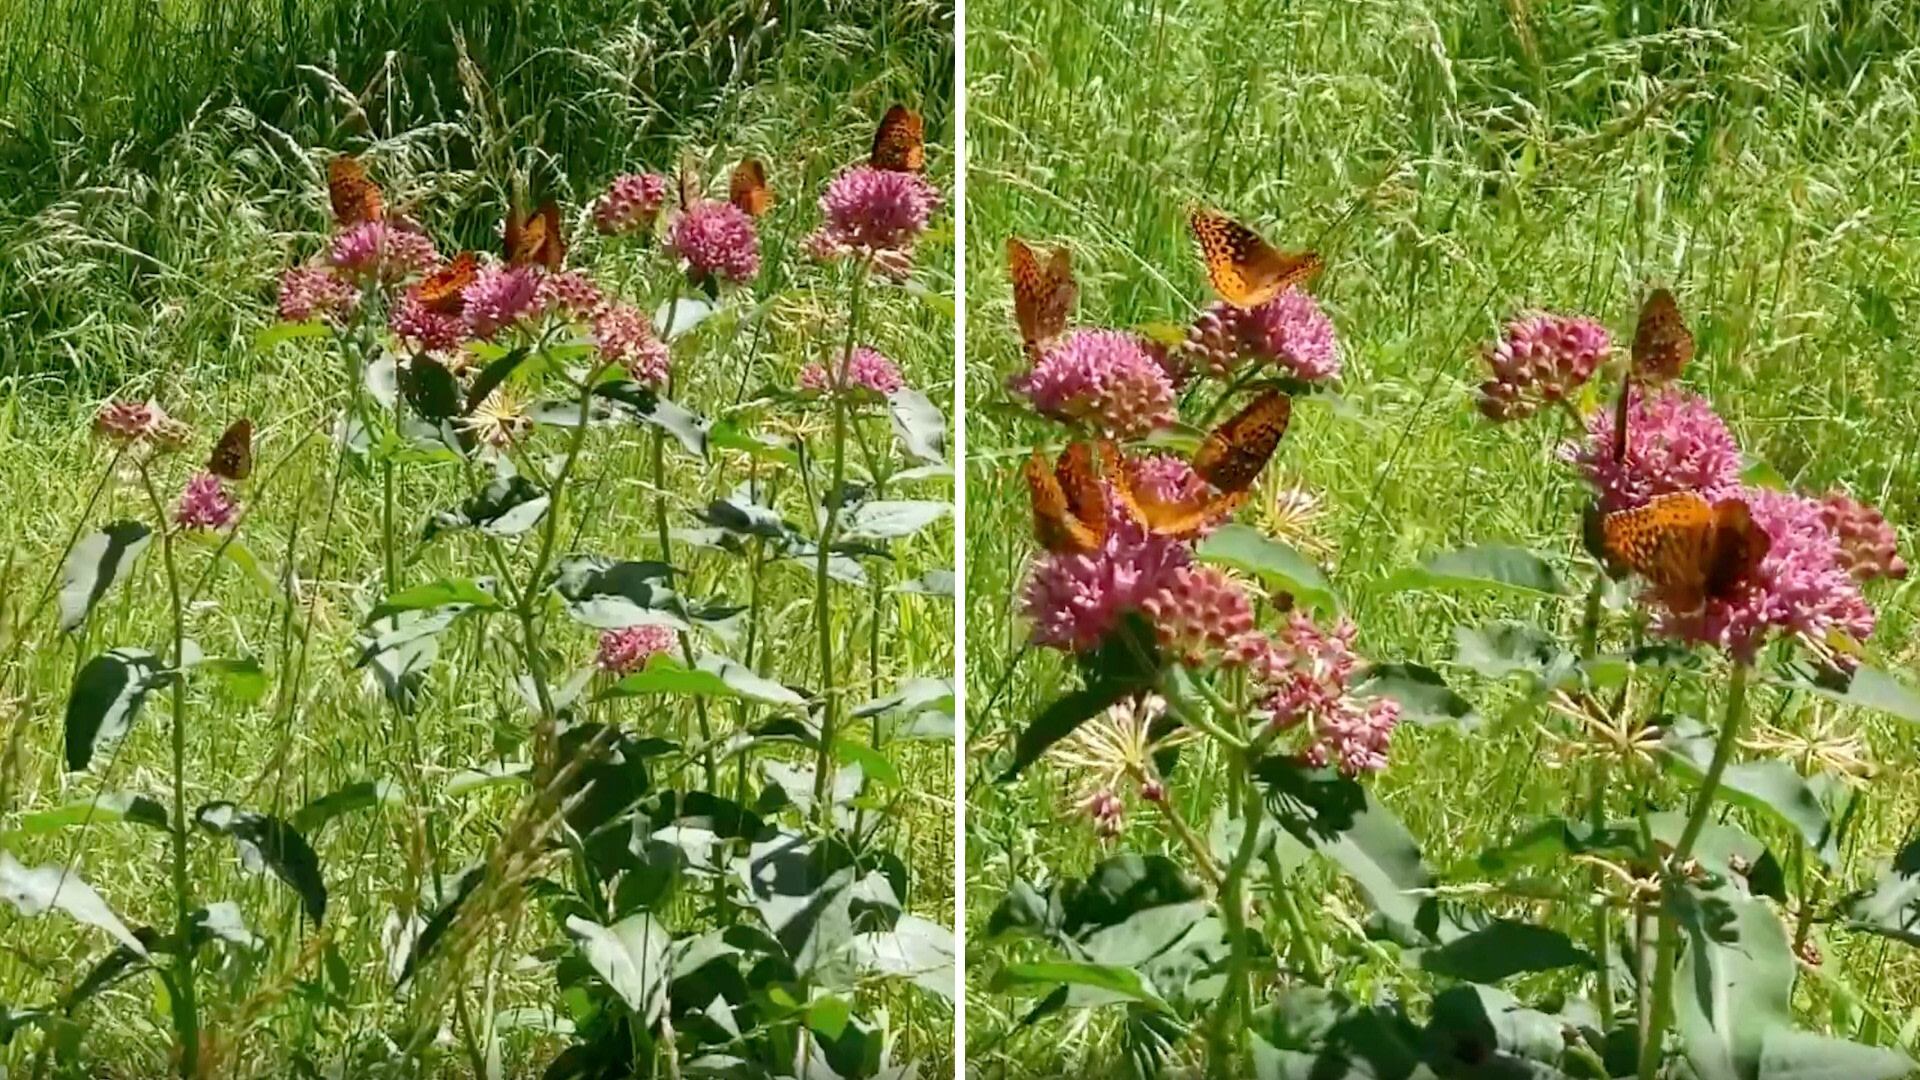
<point x="916" y="949"/>
<point x="645" y="406"/>
<point x="1278" y="566"/>
<point x="1866" y="688"/>
<point x="609" y="595"/>
<point x="1123" y="983"/>
<point x="106" y="806"/>
<point x="1770" y="787"/>
<point x="435" y="594"/>
<point x="712" y="675"/>
<point x="1891" y="908"/>
<point x="97" y="561"/>
<point x="456" y="891"/>
<point x="1127" y="662"/>
<point x="932" y="583"/>
<point x="918" y="425"/>
<point x="1307" y="1033"/>
<point x="241" y="677"/>
<point x="106" y="699"/>
<point x="1479" y="1030"/>
<point x="679" y="317"/>
<point x="266" y="842"/>
<point x="1735" y="983"/>
<point x="1422" y="692"/>
<point x="359" y="795"/>
<point x="283" y="331"/>
<point x="491" y="376"/>
<point x="37" y="889"/>
<point x="1550" y="839"/>
<point x="890" y="519"/>
<point x="634" y="956"/>
<point x="1504" y="648"/>
<point x="1502" y="949"/>
<point x="1340" y="818"/>
<point x="1492" y="566"/>
<point x="508" y="506"/>
<point x="1805" y="1055"/>
<point x="875" y="765"/>
<point x="729" y="435"/>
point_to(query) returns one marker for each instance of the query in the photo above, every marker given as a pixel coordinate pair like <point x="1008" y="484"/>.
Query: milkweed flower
<point x="314" y="291"/>
<point x="875" y="210"/>
<point x="135" y="422"/>
<point x="1112" y="751"/>
<point x="1103" y="377"/>
<point x="1306" y="673"/>
<point x="627" y="650"/>
<point x="1867" y="544"/>
<point x="866" y="370"/>
<point x="1675" y="442"/>
<point x="1289" y="331"/>
<point x="1198" y="614"/>
<point x="422" y="329"/>
<point x="1076" y="599"/>
<point x="624" y="335"/>
<point x="1539" y="359"/>
<point x="822" y="246"/>
<point x="718" y="240"/>
<point x="502" y="419"/>
<point x="571" y="293"/>
<point x="205" y="504"/>
<point x="500" y="297"/>
<point x="381" y="251"/>
<point x="1803" y="587"/>
<point x="630" y="203"/>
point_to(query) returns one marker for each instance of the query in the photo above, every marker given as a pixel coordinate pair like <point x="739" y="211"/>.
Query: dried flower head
<point x="1113" y="751"/>
<point x="502" y="419"/>
<point x="1104" y="378"/>
<point x="1539" y="359"/>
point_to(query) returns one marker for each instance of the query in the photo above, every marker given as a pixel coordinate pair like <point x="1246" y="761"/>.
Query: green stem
<point x="186" y="1019"/>
<point x="1669" y="947"/>
<point x="1597" y="818"/>
<point x="1235" y="1013"/>
<point x="1303" y="943"/>
<point x="822" y="600"/>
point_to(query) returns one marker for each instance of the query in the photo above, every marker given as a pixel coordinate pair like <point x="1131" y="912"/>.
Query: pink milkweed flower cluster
<point x="500" y="297"/>
<point x="630" y="203"/>
<point x="625" y="651"/>
<point x="1104" y="378"/>
<point x="1306" y="674"/>
<point x="138" y="423"/>
<point x="382" y="251"/>
<point x="866" y="370"/>
<point x="1675" y="442"/>
<point x="1076" y="599"/>
<point x="572" y="294"/>
<point x="1540" y="359"/>
<point x="422" y="329"/>
<point x="1199" y="614"/>
<point x="624" y="335"/>
<point x="205" y="504"/>
<point x="1867" y="545"/>
<point x="314" y="291"/>
<point x="719" y="242"/>
<point x="1289" y="331"/>
<point x="870" y="211"/>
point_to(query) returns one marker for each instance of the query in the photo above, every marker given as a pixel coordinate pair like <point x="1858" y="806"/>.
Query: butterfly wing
<point x="1043" y="292"/>
<point x="1670" y="541"/>
<point x="536" y="240"/>
<point x="1232" y="455"/>
<point x="748" y="190"/>
<point x="1054" y="522"/>
<point x="899" y="144"/>
<point x="1738" y="547"/>
<point x="552" y="252"/>
<point x="1080" y="483"/>
<point x="1182" y="519"/>
<point x="232" y="456"/>
<point x="688" y="183"/>
<point x="443" y="289"/>
<point x="355" y="199"/>
<point x="1246" y="270"/>
<point x="1662" y="344"/>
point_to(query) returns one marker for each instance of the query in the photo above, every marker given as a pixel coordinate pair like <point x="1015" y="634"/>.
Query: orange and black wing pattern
<point x="232" y="456"/>
<point x="1687" y="548"/>
<point x="1043" y="293"/>
<point x="1232" y="455"/>
<point x="355" y="199"/>
<point x="1662" y="344"/>
<point x="748" y="190"/>
<point x="443" y="290"/>
<point x="1069" y="506"/>
<point x="1246" y="270"/>
<point x="536" y="240"/>
<point x="900" y="143"/>
<point x="1183" y="519"/>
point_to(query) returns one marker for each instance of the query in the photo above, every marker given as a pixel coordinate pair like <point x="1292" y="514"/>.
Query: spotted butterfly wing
<point x="1245" y="270"/>
<point x="1662" y="344"/>
<point x="443" y="290"/>
<point x="1232" y="455"/>
<point x="747" y="188"/>
<point x="232" y="456"/>
<point x="536" y="240"/>
<point x="1182" y="519"/>
<point x="354" y="198"/>
<point x="899" y="145"/>
<point x="1688" y="549"/>
<point x="1069" y="508"/>
<point x="1043" y="293"/>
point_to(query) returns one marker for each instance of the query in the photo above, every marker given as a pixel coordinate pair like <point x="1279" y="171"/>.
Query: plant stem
<point x="1597" y="818"/>
<point x="1303" y="943"/>
<point x="1669" y="947"/>
<point x="822" y="601"/>
<point x="186" y="1020"/>
<point x="1235" y="1011"/>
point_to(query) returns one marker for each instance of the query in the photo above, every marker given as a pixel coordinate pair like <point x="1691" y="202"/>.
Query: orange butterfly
<point x="688" y="181"/>
<point x="442" y="290"/>
<point x="1245" y="270"/>
<point x="232" y="456"/>
<point x="1069" y="507"/>
<point x="1043" y="293"/>
<point x="1230" y="458"/>
<point x="536" y="240"/>
<point x="748" y="188"/>
<point x="1662" y="344"/>
<point x="355" y="199"/>
<point x="1690" y="550"/>
<point x="900" y="143"/>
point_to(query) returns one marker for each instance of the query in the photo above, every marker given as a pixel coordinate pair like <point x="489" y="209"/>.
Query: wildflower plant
<point x="699" y="836"/>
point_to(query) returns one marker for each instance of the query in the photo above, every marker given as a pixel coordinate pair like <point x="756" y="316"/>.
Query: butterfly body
<point x="1229" y="460"/>
<point x="443" y="290"/>
<point x="232" y="457"/>
<point x="899" y="144"/>
<point x="1043" y="293"/>
<point x="1690" y="550"/>
<point x="1243" y="268"/>
<point x="354" y="198"/>
<point x="747" y="188"/>
<point x="1069" y="505"/>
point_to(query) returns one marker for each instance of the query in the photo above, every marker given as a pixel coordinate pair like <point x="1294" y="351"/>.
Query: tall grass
<point x="1455" y="162"/>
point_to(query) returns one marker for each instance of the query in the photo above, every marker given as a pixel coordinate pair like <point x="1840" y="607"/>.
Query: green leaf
<point x="1502" y="949"/>
<point x="1339" y="818"/>
<point x="431" y="391"/>
<point x="1555" y="837"/>
<point x="634" y="957"/>
<point x="97" y="561"/>
<point x="1804" y="1055"/>
<point x="106" y="699"/>
<point x="645" y="406"/>
<point x="267" y="842"/>
<point x="608" y="595"/>
<point x="359" y="795"/>
<point x="1126" y="663"/>
<point x="1481" y="1031"/>
<point x="678" y="317"/>
<point x="1313" y="1034"/>
<point x="508" y="506"/>
<point x="890" y="519"/>
<point x="1774" y="788"/>
<point x="918" y="425"/>
<point x="37" y="889"/>
<point x="916" y="949"/>
<point x="1867" y="688"/>
<point x="1492" y="566"/>
<point x="938" y="582"/>
<point x="1892" y="907"/>
<point x="729" y="435"/>
<point x="106" y="806"/>
<point x="1505" y="647"/>
<point x="1735" y="982"/>
<point x="289" y="331"/>
<point x="1122" y="983"/>
<point x="437" y="594"/>
<point x="1423" y="694"/>
<point x="713" y="675"/>
<point x="490" y="378"/>
<point x="1244" y="548"/>
<point x="241" y="677"/>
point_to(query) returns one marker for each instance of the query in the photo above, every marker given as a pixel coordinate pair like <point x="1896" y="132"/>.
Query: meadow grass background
<point x="160" y="165"/>
<point x="1456" y="161"/>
